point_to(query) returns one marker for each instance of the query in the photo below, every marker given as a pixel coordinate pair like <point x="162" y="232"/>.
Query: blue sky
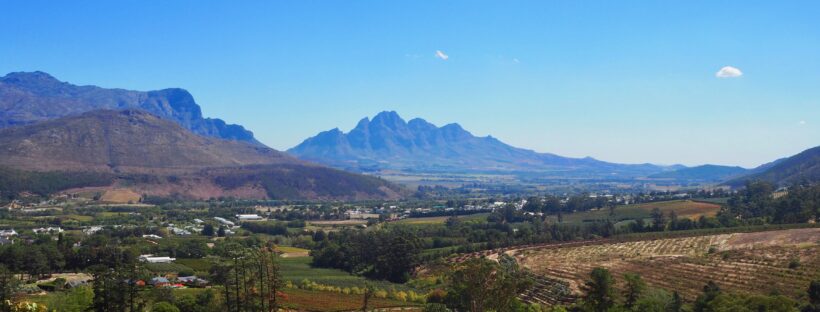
<point x="626" y="83"/>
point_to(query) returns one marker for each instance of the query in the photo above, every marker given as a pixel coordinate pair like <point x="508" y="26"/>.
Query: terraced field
<point x="763" y="262"/>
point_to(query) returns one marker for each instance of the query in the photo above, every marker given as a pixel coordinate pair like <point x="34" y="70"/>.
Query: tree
<point x="8" y="284"/>
<point x="480" y="285"/>
<point x="397" y="255"/>
<point x="389" y="254"/>
<point x="435" y="307"/>
<point x="111" y="291"/>
<point x="654" y="300"/>
<point x="164" y="307"/>
<point x="368" y="293"/>
<point x="673" y="221"/>
<point x="814" y="297"/>
<point x="677" y="302"/>
<point x="658" y="219"/>
<point x="77" y="299"/>
<point x="710" y="292"/>
<point x="748" y="302"/>
<point x="635" y="287"/>
<point x="250" y="278"/>
<point x="221" y="231"/>
<point x="192" y="249"/>
<point x="600" y="293"/>
<point x="208" y="230"/>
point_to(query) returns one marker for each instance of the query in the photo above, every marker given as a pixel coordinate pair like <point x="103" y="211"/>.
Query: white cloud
<point x="729" y="72"/>
<point x="441" y="55"/>
<point x="802" y="122"/>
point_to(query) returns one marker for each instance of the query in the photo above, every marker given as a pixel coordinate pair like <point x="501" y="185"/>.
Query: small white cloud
<point x="729" y="72"/>
<point x="802" y="122"/>
<point x="441" y="55"/>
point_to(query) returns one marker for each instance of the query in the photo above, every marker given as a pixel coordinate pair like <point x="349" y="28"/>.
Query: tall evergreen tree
<point x="600" y="291"/>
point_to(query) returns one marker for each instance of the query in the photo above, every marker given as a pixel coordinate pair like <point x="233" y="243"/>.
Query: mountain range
<point x="387" y="142"/>
<point x="802" y="167"/>
<point x="57" y="137"/>
<point x="704" y="173"/>
<point x="30" y="97"/>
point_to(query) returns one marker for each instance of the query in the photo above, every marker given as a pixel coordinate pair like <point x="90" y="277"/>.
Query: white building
<point x="152" y="259"/>
<point x="178" y="231"/>
<point x="355" y="214"/>
<point x="92" y="230"/>
<point x="8" y="233"/>
<point x="224" y="221"/>
<point x="248" y="217"/>
<point x="48" y="230"/>
<point x="155" y="236"/>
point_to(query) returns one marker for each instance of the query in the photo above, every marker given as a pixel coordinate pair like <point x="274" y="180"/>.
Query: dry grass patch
<point x="120" y="196"/>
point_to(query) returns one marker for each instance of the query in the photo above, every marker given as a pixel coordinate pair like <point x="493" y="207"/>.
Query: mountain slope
<point x="388" y="142"/>
<point x="151" y="155"/>
<point x="123" y="141"/>
<point x="707" y="173"/>
<point x="29" y="97"/>
<point x="804" y="166"/>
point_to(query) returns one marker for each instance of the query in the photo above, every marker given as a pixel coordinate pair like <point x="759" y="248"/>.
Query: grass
<point x="298" y="268"/>
<point x="199" y="265"/>
<point x="76" y="217"/>
<point x="441" y="219"/>
<point x="290" y="252"/>
<point x="167" y="267"/>
<point x="684" y="209"/>
<point x="290" y="249"/>
<point x="426" y="220"/>
<point x="719" y="200"/>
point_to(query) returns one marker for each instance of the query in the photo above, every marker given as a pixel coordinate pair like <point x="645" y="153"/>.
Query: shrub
<point x="164" y="307"/>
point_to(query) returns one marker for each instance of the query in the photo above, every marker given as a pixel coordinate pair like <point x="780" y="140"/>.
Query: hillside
<point x="804" y="166"/>
<point x="387" y="142"/>
<point x="123" y="141"/>
<point x="30" y="97"/>
<point x="705" y="173"/>
<point x="150" y="155"/>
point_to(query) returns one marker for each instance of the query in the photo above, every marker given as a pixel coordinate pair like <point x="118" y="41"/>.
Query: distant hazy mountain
<point x="388" y="142"/>
<point x="705" y="173"/>
<point x="29" y="97"/>
<point x="156" y="156"/>
<point x="804" y="166"/>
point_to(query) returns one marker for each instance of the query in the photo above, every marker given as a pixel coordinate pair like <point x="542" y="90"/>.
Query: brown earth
<point x="747" y="262"/>
<point x="120" y="196"/>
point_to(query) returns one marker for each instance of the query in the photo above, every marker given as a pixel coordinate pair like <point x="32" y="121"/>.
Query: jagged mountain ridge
<point x="30" y="97"/>
<point x="155" y="156"/>
<point x="388" y="142"/>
